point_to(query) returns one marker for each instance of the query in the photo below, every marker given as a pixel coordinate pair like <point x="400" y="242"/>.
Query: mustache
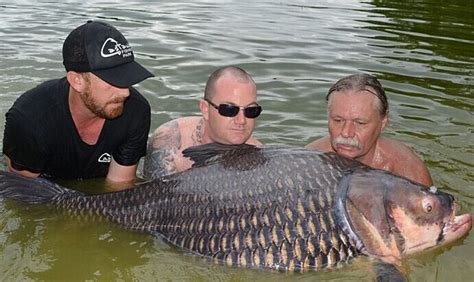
<point x="339" y="140"/>
<point x="118" y="100"/>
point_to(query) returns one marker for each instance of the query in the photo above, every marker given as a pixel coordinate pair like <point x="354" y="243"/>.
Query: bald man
<point x="229" y="111"/>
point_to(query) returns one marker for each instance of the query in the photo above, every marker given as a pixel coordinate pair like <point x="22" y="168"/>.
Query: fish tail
<point x="28" y="190"/>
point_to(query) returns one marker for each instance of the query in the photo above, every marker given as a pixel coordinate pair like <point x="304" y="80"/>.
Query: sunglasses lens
<point x="228" y="110"/>
<point x="252" y="112"/>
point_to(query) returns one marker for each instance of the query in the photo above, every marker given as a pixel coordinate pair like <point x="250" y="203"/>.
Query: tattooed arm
<point x="162" y="148"/>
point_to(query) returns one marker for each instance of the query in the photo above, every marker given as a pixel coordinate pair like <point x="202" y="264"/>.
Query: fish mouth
<point x="457" y="226"/>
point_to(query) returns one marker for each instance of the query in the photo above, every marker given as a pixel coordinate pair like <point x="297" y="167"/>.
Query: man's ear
<point x="385" y="120"/>
<point x="204" y="106"/>
<point x="77" y="81"/>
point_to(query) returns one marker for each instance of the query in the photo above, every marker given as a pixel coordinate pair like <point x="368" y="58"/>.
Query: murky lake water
<point x="423" y="54"/>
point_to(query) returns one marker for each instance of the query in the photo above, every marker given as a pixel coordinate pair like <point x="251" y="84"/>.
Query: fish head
<point x="393" y="217"/>
<point x="426" y="218"/>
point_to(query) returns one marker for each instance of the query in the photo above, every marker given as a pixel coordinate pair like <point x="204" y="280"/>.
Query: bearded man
<point x="90" y="123"/>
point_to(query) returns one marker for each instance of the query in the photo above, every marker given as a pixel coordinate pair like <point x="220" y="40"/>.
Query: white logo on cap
<point x="115" y="48"/>
<point x="105" y="158"/>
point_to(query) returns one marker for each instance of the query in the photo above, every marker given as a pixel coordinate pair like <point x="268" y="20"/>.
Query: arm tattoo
<point x="197" y="133"/>
<point x="161" y="151"/>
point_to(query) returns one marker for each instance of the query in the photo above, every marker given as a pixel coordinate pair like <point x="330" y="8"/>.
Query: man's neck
<point x="88" y="124"/>
<point x="205" y="137"/>
<point x="375" y="158"/>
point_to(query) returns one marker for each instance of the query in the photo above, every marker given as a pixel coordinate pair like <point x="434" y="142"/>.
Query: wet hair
<point x="362" y="82"/>
<point x="236" y="73"/>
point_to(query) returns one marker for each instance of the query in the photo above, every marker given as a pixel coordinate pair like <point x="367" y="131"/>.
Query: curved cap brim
<point x="124" y="75"/>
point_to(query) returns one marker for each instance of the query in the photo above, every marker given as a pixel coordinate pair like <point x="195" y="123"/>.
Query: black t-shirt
<point x="41" y="137"/>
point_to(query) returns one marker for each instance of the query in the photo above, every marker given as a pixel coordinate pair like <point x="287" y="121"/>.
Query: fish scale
<point x="281" y="243"/>
<point x="279" y="238"/>
<point x="283" y="238"/>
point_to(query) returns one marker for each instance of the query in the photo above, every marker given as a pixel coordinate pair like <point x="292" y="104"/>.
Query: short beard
<point x="102" y="112"/>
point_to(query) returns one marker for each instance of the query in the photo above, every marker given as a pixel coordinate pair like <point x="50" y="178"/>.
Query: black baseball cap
<point x="100" y="48"/>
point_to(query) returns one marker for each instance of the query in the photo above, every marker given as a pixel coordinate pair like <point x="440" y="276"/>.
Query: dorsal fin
<point x="215" y="152"/>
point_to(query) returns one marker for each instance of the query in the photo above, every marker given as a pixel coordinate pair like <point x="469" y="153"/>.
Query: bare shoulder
<point x="171" y="132"/>
<point x="322" y="144"/>
<point x="254" y="141"/>
<point x="166" y="134"/>
<point x="404" y="161"/>
<point x="187" y="123"/>
<point x="163" y="146"/>
<point x="164" y="155"/>
<point x="399" y="149"/>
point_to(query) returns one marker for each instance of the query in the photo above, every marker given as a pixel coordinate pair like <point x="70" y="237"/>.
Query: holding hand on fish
<point x="275" y="207"/>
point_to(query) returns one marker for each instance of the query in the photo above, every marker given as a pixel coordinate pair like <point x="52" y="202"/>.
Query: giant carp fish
<point x="283" y="208"/>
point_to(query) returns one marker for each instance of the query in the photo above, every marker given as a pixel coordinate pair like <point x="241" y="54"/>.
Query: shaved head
<point x="233" y="72"/>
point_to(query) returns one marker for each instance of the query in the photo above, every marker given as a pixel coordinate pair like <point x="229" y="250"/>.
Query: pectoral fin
<point x="210" y="153"/>
<point x="388" y="272"/>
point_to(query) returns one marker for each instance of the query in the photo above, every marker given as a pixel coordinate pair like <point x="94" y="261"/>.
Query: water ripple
<point x="421" y="51"/>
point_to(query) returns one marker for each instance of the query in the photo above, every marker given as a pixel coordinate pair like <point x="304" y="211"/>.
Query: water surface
<point x="421" y="52"/>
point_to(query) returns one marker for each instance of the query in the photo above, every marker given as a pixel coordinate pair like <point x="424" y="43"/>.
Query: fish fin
<point x="388" y="272"/>
<point x="214" y="152"/>
<point x="29" y="190"/>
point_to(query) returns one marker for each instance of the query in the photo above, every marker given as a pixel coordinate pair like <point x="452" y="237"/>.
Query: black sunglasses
<point x="229" y="110"/>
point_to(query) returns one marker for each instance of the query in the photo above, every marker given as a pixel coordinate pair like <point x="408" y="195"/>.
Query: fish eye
<point x="427" y="207"/>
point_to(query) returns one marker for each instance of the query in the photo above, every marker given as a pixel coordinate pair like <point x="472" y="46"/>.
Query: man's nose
<point x="348" y="129"/>
<point x="240" y="117"/>
<point x="123" y="92"/>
